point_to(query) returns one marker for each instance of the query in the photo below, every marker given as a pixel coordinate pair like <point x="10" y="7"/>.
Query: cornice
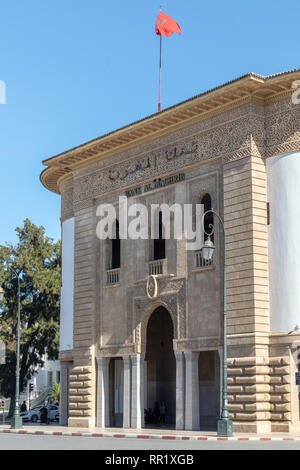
<point x="249" y="88"/>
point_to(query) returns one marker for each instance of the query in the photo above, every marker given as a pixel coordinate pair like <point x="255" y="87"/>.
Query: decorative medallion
<point x="151" y="287"/>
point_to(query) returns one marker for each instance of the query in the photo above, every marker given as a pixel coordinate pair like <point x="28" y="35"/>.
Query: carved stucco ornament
<point x="151" y="287"/>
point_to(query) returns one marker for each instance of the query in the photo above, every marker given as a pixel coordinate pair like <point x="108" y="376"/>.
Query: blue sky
<point x="75" y="70"/>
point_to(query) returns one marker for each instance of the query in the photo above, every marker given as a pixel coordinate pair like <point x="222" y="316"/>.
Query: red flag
<point x="166" y="25"/>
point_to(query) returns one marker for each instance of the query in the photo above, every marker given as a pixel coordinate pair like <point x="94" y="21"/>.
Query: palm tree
<point x="54" y="392"/>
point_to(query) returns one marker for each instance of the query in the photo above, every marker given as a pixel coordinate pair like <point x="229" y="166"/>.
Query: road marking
<point x="148" y="436"/>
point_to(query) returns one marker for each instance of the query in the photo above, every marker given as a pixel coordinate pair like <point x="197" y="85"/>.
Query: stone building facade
<point x="141" y="327"/>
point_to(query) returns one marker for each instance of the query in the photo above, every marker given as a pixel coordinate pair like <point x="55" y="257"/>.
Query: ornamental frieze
<point x="151" y="161"/>
<point x="67" y="209"/>
<point x="116" y="351"/>
<point x="210" y="144"/>
<point x="250" y="130"/>
<point x="198" y="344"/>
<point x="282" y="128"/>
<point x="187" y="134"/>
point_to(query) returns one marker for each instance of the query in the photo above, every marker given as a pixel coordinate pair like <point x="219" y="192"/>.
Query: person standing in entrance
<point x="162" y="412"/>
<point x="23" y="407"/>
<point x="44" y="415"/>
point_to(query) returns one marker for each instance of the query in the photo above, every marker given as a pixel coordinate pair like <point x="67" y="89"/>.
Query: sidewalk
<point x="121" y="433"/>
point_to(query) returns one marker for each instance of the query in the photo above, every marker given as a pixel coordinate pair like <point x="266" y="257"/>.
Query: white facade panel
<point x="67" y="289"/>
<point x="283" y="174"/>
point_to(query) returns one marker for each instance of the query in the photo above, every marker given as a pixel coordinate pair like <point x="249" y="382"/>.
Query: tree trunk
<point x="11" y="407"/>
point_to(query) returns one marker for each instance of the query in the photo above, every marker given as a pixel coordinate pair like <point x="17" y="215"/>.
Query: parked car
<point x="34" y="415"/>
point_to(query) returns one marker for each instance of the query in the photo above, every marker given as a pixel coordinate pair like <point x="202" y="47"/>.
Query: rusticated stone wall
<point x="249" y="393"/>
<point x="259" y="394"/>
<point x="245" y="216"/>
<point x="82" y="376"/>
<point x="80" y="393"/>
<point x="280" y="393"/>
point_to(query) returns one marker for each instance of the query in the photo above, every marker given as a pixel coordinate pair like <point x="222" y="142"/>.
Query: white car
<point x="34" y="415"/>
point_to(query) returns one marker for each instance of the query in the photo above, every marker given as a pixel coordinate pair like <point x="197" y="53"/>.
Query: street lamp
<point x="224" y="423"/>
<point x="208" y="249"/>
<point x="17" y="422"/>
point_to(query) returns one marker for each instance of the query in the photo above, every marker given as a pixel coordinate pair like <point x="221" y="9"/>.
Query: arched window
<point x="209" y="218"/>
<point x="115" y="248"/>
<point x="159" y="244"/>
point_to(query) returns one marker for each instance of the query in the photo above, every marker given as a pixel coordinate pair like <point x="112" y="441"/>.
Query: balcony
<point x="158" y="266"/>
<point x="113" y="276"/>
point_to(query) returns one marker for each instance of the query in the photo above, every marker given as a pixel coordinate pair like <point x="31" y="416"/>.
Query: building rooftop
<point x="250" y="87"/>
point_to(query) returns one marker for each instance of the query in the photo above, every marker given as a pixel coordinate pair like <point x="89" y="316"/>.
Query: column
<point x="64" y="394"/>
<point x="103" y="392"/>
<point x="137" y="395"/>
<point x="127" y="392"/>
<point x="220" y="353"/>
<point x="192" y="398"/>
<point x="180" y="390"/>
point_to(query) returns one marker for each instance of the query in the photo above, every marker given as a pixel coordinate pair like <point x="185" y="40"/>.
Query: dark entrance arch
<point x="161" y="364"/>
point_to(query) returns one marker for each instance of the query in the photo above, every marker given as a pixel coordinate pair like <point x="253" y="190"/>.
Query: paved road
<point x="31" y="442"/>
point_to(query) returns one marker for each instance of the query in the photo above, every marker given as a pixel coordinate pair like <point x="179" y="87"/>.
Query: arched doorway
<point x="161" y="364"/>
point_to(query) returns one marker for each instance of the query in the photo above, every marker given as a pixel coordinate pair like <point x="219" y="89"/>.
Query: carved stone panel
<point x="172" y="296"/>
<point x="218" y="137"/>
<point x="282" y="127"/>
<point x="66" y="189"/>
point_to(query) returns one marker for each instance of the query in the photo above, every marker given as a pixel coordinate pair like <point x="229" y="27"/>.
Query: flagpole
<point x="159" y="98"/>
<point x="159" y="101"/>
<point x="167" y="26"/>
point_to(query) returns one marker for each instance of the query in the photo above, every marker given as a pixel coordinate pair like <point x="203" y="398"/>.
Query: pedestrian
<point x="150" y="415"/>
<point x="162" y="412"/>
<point x="23" y="407"/>
<point x="156" y="412"/>
<point x="44" y="415"/>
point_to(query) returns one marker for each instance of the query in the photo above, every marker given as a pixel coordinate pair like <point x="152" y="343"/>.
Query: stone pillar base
<point x="263" y="396"/>
<point x="77" y="422"/>
<point x="256" y="427"/>
<point x="285" y="427"/>
<point x="192" y="411"/>
<point x="180" y="391"/>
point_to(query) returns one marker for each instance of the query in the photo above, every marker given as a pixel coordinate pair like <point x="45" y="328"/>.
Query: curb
<point x="146" y="436"/>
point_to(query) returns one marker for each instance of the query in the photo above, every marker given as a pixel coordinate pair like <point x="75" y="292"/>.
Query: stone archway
<point x="160" y="370"/>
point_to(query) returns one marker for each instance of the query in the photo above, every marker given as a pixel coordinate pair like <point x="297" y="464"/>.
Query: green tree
<point x="54" y="392"/>
<point x="38" y="259"/>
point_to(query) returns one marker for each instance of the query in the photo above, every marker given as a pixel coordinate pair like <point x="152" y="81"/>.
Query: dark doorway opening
<point x="160" y="368"/>
<point x="209" y="389"/>
<point x="159" y="244"/>
<point x="115" y="257"/>
<point x="116" y="391"/>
